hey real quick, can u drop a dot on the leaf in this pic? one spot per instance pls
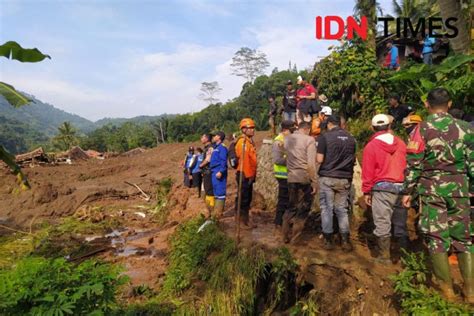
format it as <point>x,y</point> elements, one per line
<point>9,159</point>
<point>13,50</point>
<point>427,84</point>
<point>451,63</point>
<point>15,98</point>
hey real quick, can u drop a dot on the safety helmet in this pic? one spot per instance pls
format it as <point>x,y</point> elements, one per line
<point>247,123</point>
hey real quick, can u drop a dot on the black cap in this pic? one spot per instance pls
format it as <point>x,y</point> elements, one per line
<point>287,124</point>
<point>334,119</point>
<point>289,82</point>
<point>191,148</point>
<point>221,135</point>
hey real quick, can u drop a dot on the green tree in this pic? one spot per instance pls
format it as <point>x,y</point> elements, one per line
<point>249,63</point>
<point>209,90</point>
<point>66,137</point>
<point>369,9</point>
<point>454,8</point>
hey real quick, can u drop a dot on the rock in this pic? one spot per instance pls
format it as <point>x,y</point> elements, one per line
<point>266,184</point>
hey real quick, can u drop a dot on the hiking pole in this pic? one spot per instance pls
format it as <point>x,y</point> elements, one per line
<point>239,192</point>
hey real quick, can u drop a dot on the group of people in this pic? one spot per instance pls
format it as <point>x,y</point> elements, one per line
<point>427,44</point>
<point>434,172</point>
<point>208,169</point>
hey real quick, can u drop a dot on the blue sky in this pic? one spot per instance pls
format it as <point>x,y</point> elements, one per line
<point>127,58</point>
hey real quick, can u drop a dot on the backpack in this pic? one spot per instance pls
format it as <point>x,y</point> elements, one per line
<point>437,45</point>
<point>231,155</point>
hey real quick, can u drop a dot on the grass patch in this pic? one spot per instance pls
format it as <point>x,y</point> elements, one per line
<point>209,274</point>
<point>161,210</point>
<point>416,297</point>
<point>40,286</point>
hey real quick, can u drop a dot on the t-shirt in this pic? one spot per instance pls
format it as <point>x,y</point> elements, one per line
<point>338,148</point>
<point>306,91</point>
<point>289,101</point>
<point>400,112</point>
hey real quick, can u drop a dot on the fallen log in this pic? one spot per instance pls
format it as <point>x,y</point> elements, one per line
<point>146,196</point>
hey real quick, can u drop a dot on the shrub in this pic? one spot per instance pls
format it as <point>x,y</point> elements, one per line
<point>416,297</point>
<point>39,286</point>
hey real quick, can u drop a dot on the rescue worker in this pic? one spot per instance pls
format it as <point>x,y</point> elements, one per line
<point>319,123</point>
<point>440,169</point>
<point>383,165</point>
<point>218,167</point>
<point>246,154</point>
<point>206,172</point>
<point>280,171</point>
<point>196,170</point>
<point>186,165</point>
<point>410,123</point>
<point>336,154</point>
<point>300,149</point>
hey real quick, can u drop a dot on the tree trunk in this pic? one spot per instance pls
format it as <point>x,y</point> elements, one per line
<point>452,8</point>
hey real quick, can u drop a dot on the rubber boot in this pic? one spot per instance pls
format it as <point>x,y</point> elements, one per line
<point>210,204</point>
<point>285,230</point>
<point>346,242</point>
<point>466,265</point>
<point>219,208</point>
<point>384,250</point>
<point>442,273</point>
<point>403,244</point>
<point>298,226</point>
<point>328,242</point>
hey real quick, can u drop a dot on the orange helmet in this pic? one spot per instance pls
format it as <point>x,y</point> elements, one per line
<point>415,118</point>
<point>247,123</point>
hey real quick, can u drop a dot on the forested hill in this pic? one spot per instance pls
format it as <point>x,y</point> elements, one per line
<point>23,128</point>
<point>43,117</point>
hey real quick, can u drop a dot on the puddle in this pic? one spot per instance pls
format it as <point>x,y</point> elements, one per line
<point>118,241</point>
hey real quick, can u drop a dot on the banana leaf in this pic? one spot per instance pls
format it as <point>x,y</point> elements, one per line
<point>13,50</point>
<point>451,63</point>
<point>15,98</point>
<point>9,159</point>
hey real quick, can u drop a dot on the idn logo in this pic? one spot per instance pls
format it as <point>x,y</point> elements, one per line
<point>334,27</point>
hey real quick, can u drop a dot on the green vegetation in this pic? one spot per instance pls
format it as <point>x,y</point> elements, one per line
<point>161,210</point>
<point>39,286</point>
<point>416,297</point>
<point>121,138</point>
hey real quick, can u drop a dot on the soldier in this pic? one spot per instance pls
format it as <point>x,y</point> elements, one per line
<point>441,167</point>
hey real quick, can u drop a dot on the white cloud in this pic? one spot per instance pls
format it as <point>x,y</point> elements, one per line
<point>140,82</point>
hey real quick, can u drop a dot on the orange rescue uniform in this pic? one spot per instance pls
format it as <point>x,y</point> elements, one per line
<point>250,156</point>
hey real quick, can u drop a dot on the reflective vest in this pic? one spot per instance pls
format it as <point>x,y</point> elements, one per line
<point>280,172</point>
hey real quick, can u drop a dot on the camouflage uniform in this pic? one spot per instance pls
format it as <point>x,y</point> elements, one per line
<point>441,162</point>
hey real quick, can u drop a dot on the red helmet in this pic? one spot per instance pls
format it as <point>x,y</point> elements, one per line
<point>247,123</point>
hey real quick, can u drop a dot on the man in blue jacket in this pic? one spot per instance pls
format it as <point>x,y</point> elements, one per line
<point>219,172</point>
<point>427,51</point>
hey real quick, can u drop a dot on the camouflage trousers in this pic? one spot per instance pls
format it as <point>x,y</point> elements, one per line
<point>446,222</point>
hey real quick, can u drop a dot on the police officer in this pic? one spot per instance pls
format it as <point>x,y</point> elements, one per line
<point>281,171</point>
<point>218,167</point>
<point>441,167</point>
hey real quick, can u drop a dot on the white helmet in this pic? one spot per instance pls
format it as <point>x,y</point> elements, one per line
<point>326,110</point>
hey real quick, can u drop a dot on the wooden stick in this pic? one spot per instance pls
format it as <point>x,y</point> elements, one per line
<point>239,193</point>
<point>146,196</point>
<point>14,230</point>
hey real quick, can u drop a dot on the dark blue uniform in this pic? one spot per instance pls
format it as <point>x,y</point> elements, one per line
<point>219,164</point>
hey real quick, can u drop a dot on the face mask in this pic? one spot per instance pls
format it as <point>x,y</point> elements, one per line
<point>410,128</point>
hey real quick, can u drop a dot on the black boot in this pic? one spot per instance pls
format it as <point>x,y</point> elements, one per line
<point>383,244</point>
<point>403,243</point>
<point>346,242</point>
<point>328,242</point>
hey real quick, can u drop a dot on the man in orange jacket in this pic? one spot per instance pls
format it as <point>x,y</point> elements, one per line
<point>246,154</point>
